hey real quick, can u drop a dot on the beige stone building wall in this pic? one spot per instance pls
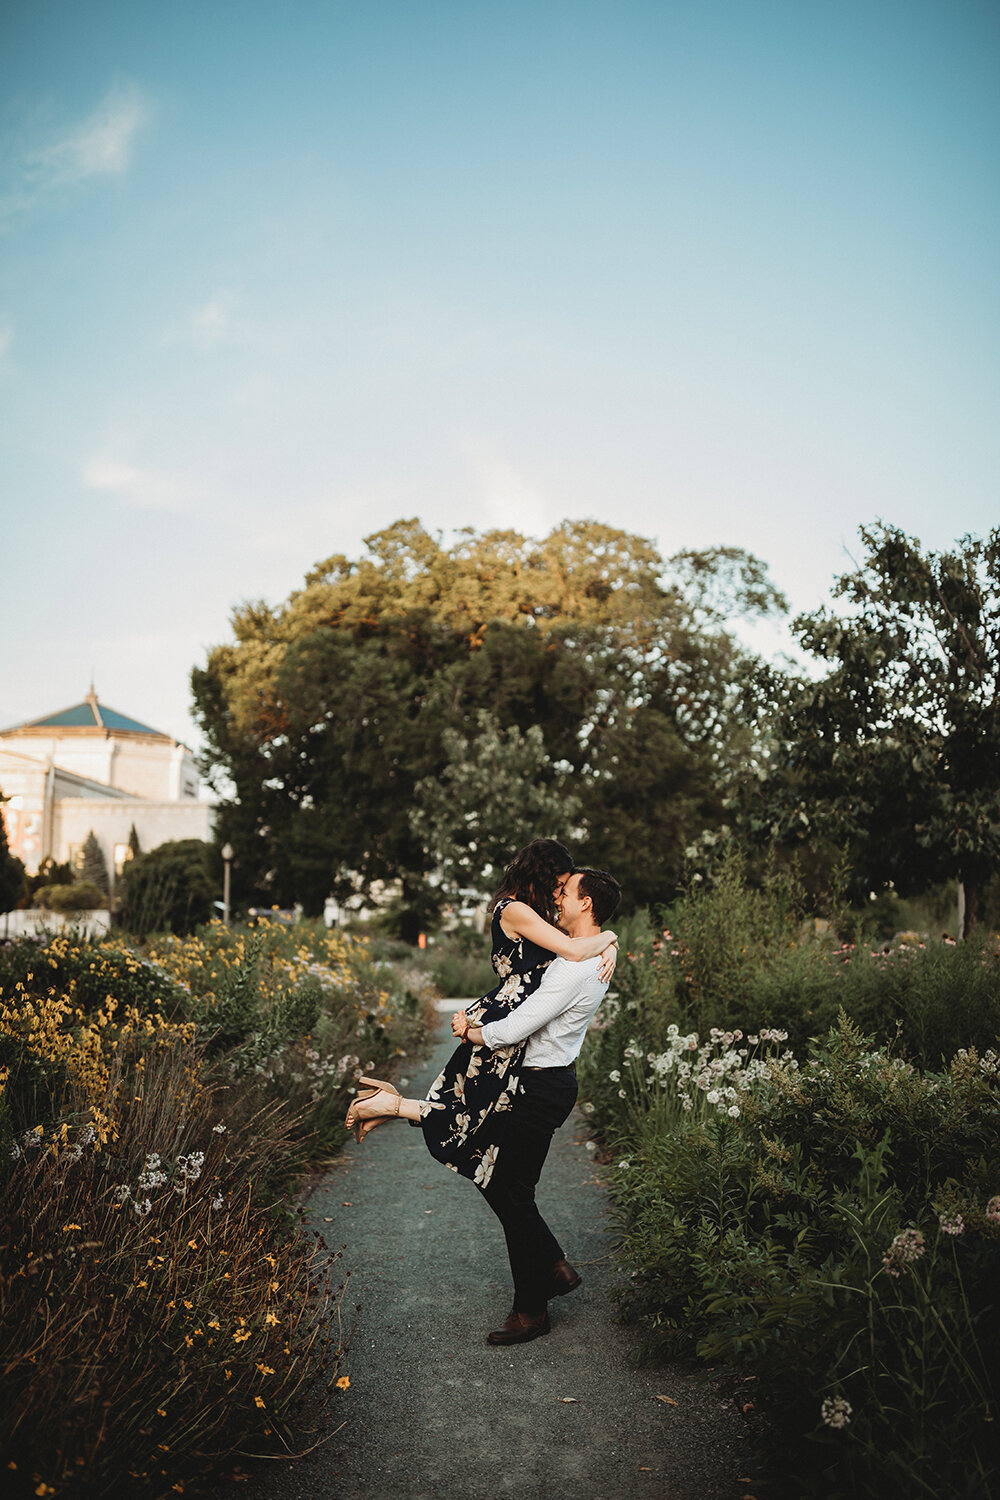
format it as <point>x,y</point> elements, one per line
<point>65,780</point>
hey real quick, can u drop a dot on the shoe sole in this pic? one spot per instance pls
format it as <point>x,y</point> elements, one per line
<point>536,1333</point>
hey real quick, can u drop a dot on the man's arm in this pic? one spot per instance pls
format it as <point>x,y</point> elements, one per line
<point>561,984</point>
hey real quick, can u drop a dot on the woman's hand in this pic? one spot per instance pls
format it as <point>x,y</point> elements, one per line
<point>459,1024</point>
<point>606,963</point>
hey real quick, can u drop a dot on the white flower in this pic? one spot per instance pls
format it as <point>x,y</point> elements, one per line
<point>624,1164</point>
<point>993,1210</point>
<point>953,1225</point>
<point>191,1165</point>
<point>712,1096</point>
<point>733,1111</point>
<point>615,1075</point>
<point>487,1162</point>
<point>836,1411</point>
<point>218,1201</point>
<point>142,1207</point>
<point>621,1093</point>
<point>906,1247</point>
<point>219,1129</point>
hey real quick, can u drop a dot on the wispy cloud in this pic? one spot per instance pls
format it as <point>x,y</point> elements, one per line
<point>99,146</point>
<point>209,325</point>
<point>141,488</point>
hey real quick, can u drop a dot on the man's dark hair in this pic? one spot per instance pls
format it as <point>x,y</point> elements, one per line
<point>604,891</point>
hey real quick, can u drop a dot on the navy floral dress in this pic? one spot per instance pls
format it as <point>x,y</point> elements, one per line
<point>465,1112</point>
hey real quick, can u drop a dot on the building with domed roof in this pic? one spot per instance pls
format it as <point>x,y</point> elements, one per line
<point>88,769</point>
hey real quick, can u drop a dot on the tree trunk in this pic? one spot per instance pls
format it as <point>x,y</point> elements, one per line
<point>969,903</point>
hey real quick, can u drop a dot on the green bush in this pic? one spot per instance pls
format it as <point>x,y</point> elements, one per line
<point>85,972</point>
<point>459,964</point>
<point>82,895</point>
<point>731,955</point>
<point>170,889</point>
<point>766,1209</point>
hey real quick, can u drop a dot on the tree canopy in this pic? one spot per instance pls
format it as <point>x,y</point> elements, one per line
<point>329,718</point>
<point>895,750</point>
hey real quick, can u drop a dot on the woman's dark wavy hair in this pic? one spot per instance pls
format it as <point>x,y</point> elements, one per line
<point>532,874</point>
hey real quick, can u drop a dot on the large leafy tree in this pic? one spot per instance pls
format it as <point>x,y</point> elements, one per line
<point>497,790</point>
<point>895,750</point>
<point>323,715</point>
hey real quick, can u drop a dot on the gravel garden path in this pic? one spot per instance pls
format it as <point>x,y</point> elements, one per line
<point>434,1411</point>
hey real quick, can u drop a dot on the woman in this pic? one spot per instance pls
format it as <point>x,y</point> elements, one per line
<point>464,1114</point>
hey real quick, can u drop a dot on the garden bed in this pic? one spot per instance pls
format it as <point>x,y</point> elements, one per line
<point>160,1307</point>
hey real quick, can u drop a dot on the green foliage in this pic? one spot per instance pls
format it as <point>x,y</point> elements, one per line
<point>589,653</point>
<point>459,964</point>
<point>732,954</point>
<point>768,1196</point>
<point>93,866</point>
<point>497,789</point>
<point>81,895</point>
<point>50,873</point>
<point>153,1292</point>
<point>763,1234</point>
<point>170,889</point>
<point>897,748</point>
<point>300,1011</point>
<point>12,876</point>
<point>160,1307</point>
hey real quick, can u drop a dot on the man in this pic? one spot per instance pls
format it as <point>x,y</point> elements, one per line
<point>553,1021</point>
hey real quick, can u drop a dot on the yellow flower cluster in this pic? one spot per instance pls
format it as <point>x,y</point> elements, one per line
<point>56,1032</point>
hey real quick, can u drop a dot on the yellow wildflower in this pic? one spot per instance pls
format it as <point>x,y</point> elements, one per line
<point>258,1401</point>
<point>343,1382</point>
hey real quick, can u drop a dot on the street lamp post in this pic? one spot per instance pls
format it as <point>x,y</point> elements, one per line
<point>227,855</point>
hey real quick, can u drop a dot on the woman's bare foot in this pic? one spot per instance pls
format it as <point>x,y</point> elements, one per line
<point>381,1106</point>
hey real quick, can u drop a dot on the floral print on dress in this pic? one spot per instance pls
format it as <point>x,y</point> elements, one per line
<point>465,1111</point>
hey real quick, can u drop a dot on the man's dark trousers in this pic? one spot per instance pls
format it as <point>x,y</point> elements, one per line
<point>544,1102</point>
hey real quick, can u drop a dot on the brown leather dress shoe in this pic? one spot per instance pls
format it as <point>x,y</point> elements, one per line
<point>564,1279</point>
<point>519,1328</point>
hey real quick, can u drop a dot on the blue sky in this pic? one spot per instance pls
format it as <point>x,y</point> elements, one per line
<point>274,274</point>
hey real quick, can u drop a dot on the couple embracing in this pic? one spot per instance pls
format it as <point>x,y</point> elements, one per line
<point>492,1111</point>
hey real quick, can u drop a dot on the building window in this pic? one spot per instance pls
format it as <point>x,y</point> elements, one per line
<point>123,853</point>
